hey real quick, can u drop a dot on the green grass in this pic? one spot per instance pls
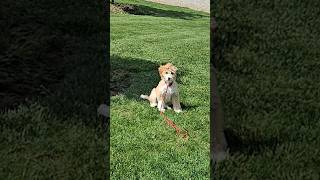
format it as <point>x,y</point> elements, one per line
<point>268,63</point>
<point>142,145</point>
<point>53,69</point>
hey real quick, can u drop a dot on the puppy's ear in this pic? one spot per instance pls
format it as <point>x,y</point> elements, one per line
<point>161,69</point>
<point>174,69</point>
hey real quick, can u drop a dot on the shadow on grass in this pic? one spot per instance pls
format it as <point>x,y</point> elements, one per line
<point>133,77</point>
<point>249,142</point>
<point>138,9</point>
<point>185,106</point>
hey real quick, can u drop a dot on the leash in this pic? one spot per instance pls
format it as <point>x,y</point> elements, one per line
<point>182,133</point>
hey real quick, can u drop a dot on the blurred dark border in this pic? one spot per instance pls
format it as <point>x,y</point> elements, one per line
<point>108,60</point>
<point>40,48</point>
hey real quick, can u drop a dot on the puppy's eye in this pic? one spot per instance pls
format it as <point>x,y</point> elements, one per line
<point>167,72</point>
<point>172,73</point>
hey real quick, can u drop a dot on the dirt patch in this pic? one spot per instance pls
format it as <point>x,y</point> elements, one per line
<point>118,8</point>
<point>114,8</point>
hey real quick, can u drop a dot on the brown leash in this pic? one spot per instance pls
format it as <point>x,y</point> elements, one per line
<point>182,133</point>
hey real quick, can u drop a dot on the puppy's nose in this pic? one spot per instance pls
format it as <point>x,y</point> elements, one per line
<point>169,78</point>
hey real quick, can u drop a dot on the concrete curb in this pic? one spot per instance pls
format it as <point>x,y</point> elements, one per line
<point>199,5</point>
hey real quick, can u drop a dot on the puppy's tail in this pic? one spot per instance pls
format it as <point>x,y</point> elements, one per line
<point>144,96</point>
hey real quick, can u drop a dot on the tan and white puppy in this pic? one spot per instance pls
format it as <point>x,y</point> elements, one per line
<point>166,92</point>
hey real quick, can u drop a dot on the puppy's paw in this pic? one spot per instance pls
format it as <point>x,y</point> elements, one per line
<point>168,107</point>
<point>153,104</point>
<point>162,110</point>
<point>178,110</point>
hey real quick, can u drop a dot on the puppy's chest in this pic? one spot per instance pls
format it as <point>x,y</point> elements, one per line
<point>168,92</point>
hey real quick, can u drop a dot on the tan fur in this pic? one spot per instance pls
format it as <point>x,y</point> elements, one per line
<point>167,90</point>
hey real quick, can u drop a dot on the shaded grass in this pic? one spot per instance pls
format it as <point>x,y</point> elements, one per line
<point>267,57</point>
<point>54,75</point>
<point>142,146</point>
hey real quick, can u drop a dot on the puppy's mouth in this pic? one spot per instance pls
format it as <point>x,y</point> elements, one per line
<point>169,82</point>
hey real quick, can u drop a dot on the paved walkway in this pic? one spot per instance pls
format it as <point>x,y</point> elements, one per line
<point>200,5</point>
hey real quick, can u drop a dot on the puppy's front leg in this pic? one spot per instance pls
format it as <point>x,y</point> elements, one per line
<point>161,103</point>
<point>176,103</point>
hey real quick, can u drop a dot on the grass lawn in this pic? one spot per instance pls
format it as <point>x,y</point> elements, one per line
<point>142,145</point>
<point>52,55</point>
<point>268,63</point>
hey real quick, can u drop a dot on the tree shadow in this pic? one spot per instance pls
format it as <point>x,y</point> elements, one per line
<point>132,76</point>
<point>138,9</point>
<point>249,142</point>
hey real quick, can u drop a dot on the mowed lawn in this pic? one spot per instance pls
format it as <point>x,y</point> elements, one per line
<point>142,145</point>
<point>269,68</point>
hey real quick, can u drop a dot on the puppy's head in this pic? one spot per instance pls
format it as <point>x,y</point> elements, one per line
<point>168,73</point>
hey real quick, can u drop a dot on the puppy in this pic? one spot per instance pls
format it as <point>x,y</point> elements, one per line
<point>166,92</point>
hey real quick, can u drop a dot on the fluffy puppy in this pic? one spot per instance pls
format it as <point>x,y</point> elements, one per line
<point>166,92</point>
